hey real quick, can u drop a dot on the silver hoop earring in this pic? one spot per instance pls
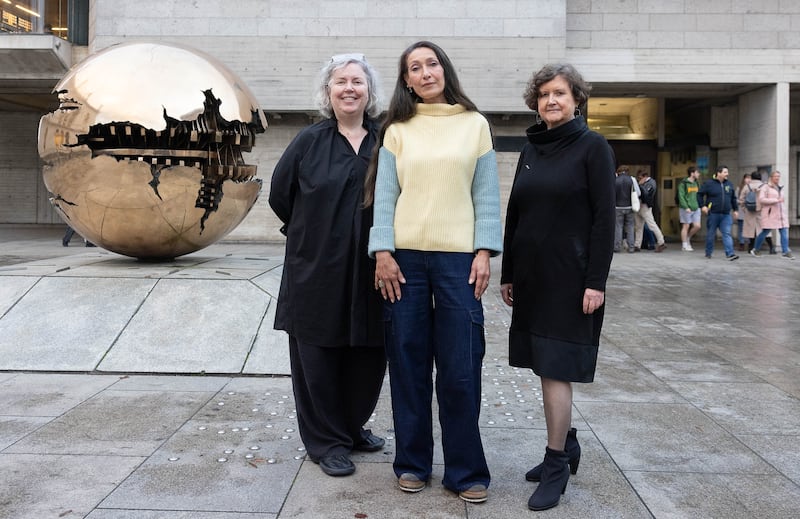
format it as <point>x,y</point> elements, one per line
<point>577,112</point>
<point>410,90</point>
<point>538,117</point>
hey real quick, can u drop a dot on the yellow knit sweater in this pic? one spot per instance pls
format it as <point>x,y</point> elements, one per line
<point>442,169</point>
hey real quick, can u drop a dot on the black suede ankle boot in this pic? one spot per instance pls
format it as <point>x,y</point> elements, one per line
<point>555,474</point>
<point>573,450</point>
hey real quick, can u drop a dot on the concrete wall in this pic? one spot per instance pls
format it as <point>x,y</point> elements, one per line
<point>23,197</point>
<point>278,45</point>
<point>643,117</point>
<point>665,41</point>
<point>757,128</point>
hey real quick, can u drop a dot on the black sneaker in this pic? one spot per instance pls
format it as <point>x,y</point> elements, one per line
<point>733,257</point>
<point>371,443</point>
<point>336,465</point>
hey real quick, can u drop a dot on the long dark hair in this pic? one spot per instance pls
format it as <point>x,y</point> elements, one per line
<point>403,105</point>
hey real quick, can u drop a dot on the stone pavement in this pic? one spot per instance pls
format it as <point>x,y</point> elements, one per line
<point>159,390</point>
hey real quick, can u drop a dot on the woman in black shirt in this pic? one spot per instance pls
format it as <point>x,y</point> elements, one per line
<point>327,303</point>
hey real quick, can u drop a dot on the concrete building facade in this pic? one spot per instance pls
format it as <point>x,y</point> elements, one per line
<point>675,82</point>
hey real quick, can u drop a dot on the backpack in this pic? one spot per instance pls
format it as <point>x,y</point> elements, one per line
<point>648,192</point>
<point>751,200</point>
<point>677,195</point>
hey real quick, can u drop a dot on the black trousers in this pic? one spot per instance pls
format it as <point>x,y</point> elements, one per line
<point>335,392</point>
<point>67,235</point>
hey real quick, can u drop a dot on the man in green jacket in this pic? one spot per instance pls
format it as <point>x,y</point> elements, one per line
<point>689,212</point>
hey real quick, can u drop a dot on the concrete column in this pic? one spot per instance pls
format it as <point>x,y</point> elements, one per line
<point>782,159</point>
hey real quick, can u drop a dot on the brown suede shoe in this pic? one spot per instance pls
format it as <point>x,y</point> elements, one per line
<point>474,494</point>
<point>410,483</point>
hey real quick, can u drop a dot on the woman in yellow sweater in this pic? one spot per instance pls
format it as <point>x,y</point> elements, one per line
<point>436,223</point>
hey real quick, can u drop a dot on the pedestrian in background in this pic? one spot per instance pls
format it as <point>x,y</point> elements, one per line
<point>774,215</point>
<point>741,193</point>
<point>645,216</point>
<point>717,200</point>
<point>69,233</point>
<point>751,217</point>
<point>689,211</point>
<point>625,189</point>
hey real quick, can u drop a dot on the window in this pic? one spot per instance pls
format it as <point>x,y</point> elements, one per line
<point>35,16</point>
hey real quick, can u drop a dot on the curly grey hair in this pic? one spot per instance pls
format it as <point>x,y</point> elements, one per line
<point>321,96</point>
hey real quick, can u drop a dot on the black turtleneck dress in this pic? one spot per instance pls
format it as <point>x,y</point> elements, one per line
<point>558,242</point>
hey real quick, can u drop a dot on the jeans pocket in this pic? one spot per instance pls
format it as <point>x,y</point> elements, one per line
<point>478,332</point>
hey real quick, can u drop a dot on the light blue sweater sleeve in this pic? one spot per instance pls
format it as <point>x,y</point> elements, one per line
<point>486,201</point>
<point>387,190</point>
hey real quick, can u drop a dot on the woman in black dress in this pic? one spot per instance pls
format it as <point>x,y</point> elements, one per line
<point>558,249</point>
<point>326,302</point>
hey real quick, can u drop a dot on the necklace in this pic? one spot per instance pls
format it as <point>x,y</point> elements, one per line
<point>350,134</point>
<point>354,136</point>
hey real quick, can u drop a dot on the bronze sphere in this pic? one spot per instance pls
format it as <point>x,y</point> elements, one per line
<point>143,156</point>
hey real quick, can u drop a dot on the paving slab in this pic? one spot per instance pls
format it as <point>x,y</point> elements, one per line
<point>190,326</point>
<point>209,466</point>
<point>510,397</point>
<point>759,359</point>
<point>108,513</point>
<point>371,492</point>
<point>129,423</point>
<point>700,370</point>
<point>671,494</point>
<point>744,408</point>
<point>270,352</point>
<point>77,321</point>
<point>668,438</point>
<point>12,289</point>
<point>781,451</point>
<point>13,428</point>
<point>55,265</point>
<point>33,486</point>
<point>270,281</point>
<point>621,378</point>
<point>106,264</point>
<point>202,383</point>
<point>48,394</point>
<point>598,490</point>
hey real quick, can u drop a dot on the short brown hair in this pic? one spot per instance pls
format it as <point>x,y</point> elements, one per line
<point>580,88</point>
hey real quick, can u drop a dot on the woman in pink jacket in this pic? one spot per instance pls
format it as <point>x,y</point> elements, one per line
<point>774,215</point>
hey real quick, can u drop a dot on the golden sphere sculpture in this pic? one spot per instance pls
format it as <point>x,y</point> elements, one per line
<point>143,156</point>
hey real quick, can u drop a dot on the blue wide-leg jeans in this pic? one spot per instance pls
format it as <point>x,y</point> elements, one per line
<point>723,222</point>
<point>437,322</point>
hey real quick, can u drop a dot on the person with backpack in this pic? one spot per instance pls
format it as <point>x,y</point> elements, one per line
<point>744,194</point>
<point>688,210</point>
<point>774,215</point>
<point>645,215</point>
<point>752,210</point>
<point>748,199</point>
<point>717,199</point>
<point>626,188</point>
